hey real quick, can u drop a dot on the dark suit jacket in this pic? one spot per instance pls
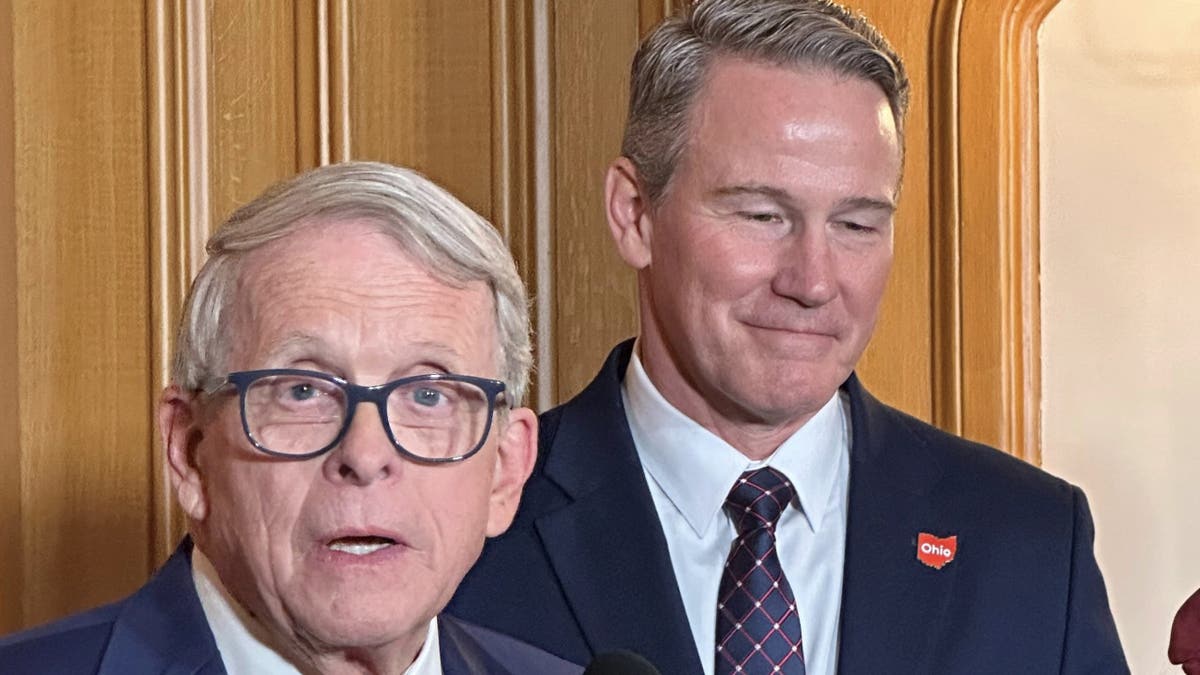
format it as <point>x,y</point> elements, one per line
<point>585,567</point>
<point>161,629</point>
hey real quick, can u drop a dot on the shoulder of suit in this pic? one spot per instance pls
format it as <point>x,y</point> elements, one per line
<point>73,644</point>
<point>983,465</point>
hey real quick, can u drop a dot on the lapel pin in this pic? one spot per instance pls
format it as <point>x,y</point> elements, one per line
<point>936,552</point>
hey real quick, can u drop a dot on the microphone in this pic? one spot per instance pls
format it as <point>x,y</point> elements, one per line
<point>620,662</point>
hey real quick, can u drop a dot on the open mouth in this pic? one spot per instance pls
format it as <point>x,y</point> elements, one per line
<point>360,545</point>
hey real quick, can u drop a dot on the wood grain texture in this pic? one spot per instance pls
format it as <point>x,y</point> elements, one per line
<point>420,91</point>
<point>12,525</point>
<point>128,129</point>
<point>594,294</point>
<point>84,366</point>
<point>251,99</point>
<point>310,47</point>
<point>999,205</point>
<point>651,12</point>
<point>171,239</point>
<point>520,111</point>
<point>945,217</point>
<point>897,366</point>
<point>336,48</point>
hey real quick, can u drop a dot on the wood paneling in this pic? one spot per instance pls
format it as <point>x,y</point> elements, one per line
<point>174,239</point>
<point>520,118</point>
<point>12,571</point>
<point>84,359</point>
<point>421,91</point>
<point>250,69</point>
<point>945,217</point>
<point>128,129</point>
<point>897,366</point>
<point>998,179</point>
<point>594,292</point>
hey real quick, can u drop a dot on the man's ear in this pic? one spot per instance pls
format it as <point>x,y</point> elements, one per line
<point>177,424</point>
<point>515,457</point>
<point>628,213</point>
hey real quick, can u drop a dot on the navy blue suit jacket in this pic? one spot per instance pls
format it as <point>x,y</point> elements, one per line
<point>585,567</point>
<point>161,629</point>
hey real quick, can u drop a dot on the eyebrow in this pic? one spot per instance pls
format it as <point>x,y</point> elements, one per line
<point>437,355</point>
<point>782,196</point>
<point>294,343</point>
<point>754,189</point>
<point>866,203</point>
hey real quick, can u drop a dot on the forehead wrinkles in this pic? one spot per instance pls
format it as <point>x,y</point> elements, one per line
<point>322,261</point>
<point>317,270</point>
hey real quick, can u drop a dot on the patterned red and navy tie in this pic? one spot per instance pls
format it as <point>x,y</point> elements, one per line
<point>758,628</point>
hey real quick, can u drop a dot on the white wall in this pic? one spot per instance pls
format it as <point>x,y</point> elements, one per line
<point>1120,149</point>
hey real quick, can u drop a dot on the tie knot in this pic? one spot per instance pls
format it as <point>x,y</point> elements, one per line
<point>758,498</point>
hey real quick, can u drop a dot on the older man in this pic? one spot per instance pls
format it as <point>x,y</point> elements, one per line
<point>726,497</point>
<point>343,430</point>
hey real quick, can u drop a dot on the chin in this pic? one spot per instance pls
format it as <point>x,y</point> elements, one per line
<point>365,630</point>
<point>795,397</point>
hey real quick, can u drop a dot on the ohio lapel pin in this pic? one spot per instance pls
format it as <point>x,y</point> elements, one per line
<point>936,552</point>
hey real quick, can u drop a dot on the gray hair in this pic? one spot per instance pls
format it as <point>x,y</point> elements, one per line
<point>452,241</point>
<point>672,63</point>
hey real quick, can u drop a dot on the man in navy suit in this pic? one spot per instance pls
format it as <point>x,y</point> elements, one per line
<point>726,496</point>
<point>343,429</point>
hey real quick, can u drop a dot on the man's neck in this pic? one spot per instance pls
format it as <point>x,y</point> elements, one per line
<point>754,437</point>
<point>252,646</point>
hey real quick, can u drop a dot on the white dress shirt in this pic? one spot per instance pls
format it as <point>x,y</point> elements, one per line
<point>690,472</point>
<point>241,638</point>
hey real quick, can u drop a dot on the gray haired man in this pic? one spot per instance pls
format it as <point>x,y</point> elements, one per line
<point>343,429</point>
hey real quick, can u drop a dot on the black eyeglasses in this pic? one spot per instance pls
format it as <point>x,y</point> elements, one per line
<point>300,414</point>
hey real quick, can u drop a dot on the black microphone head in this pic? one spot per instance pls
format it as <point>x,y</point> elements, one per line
<point>620,662</point>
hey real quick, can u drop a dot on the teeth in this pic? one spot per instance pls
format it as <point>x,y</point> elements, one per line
<point>358,549</point>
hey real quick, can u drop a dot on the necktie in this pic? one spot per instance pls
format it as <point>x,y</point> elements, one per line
<point>758,629</point>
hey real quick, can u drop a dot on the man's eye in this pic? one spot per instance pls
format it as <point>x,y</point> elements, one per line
<point>427,397</point>
<point>761,216</point>
<point>302,392</point>
<point>856,227</point>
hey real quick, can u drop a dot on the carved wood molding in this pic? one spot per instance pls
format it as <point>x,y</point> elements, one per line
<point>946,317</point>
<point>521,160</point>
<point>177,107</point>
<point>322,58</point>
<point>985,201</point>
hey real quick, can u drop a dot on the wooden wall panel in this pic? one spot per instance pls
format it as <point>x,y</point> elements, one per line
<point>83,365</point>
<point>128,129</point>
<point>224,91</point>
<point>420,91</point>
<point>595,301</point>
<point>172,232</point>
<point>11,524</point>
<point>997,109</point>
<point>251,98</point>
<point>898,364</point>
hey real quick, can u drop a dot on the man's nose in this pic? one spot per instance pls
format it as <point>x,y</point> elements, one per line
<point>365,454</point>
<point>805,270</point>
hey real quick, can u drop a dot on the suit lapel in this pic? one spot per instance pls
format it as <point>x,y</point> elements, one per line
<point>607,547</point>
<point>162,629</point>
<point>892,604</point>
<point>460,654</point>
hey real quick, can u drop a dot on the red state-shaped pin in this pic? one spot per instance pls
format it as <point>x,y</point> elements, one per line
<point>936,551</point>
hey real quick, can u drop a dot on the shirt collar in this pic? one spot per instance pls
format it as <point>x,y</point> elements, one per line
<point>243,643</point>
<point>696,469</point>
